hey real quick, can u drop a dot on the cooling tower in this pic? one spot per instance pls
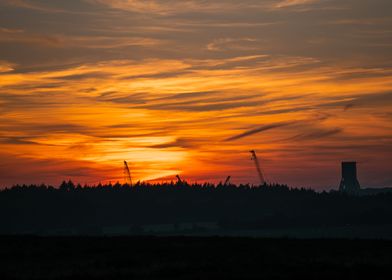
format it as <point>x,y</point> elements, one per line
<point>349,182</point>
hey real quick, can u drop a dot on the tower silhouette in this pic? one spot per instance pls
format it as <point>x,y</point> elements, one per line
<point>349,182</point>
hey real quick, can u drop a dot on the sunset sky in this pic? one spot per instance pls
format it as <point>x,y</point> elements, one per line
<point>189,87</point>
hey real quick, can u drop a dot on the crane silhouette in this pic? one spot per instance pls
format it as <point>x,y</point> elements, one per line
<point>127,174</point>
<point>227,182</point>
<point>258,168</point>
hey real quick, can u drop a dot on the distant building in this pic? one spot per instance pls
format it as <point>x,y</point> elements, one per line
<point>349,182</point>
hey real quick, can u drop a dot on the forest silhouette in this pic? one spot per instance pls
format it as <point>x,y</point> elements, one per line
<point>182,208</point>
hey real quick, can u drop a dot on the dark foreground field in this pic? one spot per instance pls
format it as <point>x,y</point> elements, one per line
<point>192,258</point>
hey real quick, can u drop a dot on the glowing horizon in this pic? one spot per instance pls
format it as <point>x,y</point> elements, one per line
<point>189,87</point>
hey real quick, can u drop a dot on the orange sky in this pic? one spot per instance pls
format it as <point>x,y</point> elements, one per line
<point>189,87</point>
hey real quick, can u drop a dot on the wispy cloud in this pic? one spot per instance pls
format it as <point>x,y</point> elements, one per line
<point>163,7</point>
<point>162,83</point>
<point>169,7</point>
<point>290,3</point>
<point>316,134</point>
<point>6,66</point>
<point>68,41</point>
<point>32,5</point>
<point>258,130</point>
<point>244,44</point>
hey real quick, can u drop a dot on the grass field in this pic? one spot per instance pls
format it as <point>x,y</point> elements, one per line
<point>192,258</point>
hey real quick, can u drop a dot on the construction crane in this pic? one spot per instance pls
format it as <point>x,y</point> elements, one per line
<point>258,169</point>
<point>227,182</point>
<point>127,174</point>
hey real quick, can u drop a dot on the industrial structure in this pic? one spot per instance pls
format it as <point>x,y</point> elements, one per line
<point>227,182</point>
<point>127,174</point>
<point>179,180</point>
<point>258,168</point>
<point>349,182</point>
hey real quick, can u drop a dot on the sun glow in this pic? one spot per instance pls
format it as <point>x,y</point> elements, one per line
<point>189,88</point>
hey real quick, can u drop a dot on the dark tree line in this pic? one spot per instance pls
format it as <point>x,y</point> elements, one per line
<point>42,208</point>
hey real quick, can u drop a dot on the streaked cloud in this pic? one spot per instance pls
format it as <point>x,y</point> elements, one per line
<point>258,130</point>
<point>32,5</point>
<point>289,3</point>
<point>165,7</point>
<point>6,67</point>
<point>191,86</point>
